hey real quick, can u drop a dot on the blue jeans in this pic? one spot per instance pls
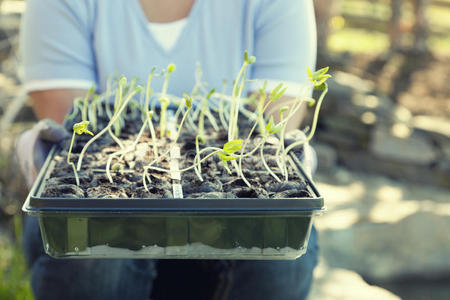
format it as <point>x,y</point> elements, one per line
<point>141,279</point>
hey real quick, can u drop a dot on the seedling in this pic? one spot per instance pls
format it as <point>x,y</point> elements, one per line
<point>164,100</point>
<point>233,151</point>
<point>199,139</point>
<point>204,110</point>
<point>145,177</point>
<point>226,155</point>
<point>222,116</point>
<point>281,159</point>
<point>117,105</point>
<point>84,112</point>
<point>115,117</point>
<point>236,95</point>
<point>318,79</point>
<point>93,108</point>
<point>78,128</point>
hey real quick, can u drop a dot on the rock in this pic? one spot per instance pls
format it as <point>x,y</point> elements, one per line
<point>416,149</point>
<point>354,82</point>
<point>416,246</point>
<point>434,125</point>
<point>340,284</point>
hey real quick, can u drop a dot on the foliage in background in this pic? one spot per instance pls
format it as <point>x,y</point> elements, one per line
<point>14,276</point>
<point>362,26</point>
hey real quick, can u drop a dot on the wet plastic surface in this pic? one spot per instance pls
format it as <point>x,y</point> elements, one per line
<point>174,228</point>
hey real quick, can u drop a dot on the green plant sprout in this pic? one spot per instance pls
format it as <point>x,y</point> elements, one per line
<point>199,139</point>
<point>222,116</point>
<point>236,95</point>
<point>198,92</point>
<point>281,159</point>
<point>77,105</point>
<point>118,104</point>
<point>271,128</point>
<point>118,165</point>
<point>82,104</point>
<point>78,128</point>
<point>318,79</point>
<point>138,89</point>
<point>229,109</point>
<point>181,110</point>
<point>203,111</point>
<point>164,100</point>
<point>84,112</point>
<point>107,95</point>
<point>225,154</point>
<point>260,107</point>
<point>94,109</point>
<point>152,133</point>
<point>268,129</point>
<point>145,177</point>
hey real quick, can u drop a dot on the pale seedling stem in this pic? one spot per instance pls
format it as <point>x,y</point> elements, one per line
<point>78,128</point>
<point>314,123</point>
<point>71,163</point>
<point>164,100</point>
<point>111,122</point>
<point>84,112</point>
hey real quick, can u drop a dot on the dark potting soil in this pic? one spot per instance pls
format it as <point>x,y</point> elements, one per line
<point>128,179</point>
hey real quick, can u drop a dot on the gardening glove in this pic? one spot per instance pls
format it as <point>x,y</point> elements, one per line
<point>34,144</point>
<point>309,156</point>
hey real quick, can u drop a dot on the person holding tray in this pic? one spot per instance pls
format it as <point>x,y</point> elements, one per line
<point>69,45</point>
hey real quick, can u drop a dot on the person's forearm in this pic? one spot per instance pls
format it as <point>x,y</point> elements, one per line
<point>54,104</point>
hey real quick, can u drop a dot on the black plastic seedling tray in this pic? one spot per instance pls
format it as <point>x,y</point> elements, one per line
<point>245,228</point>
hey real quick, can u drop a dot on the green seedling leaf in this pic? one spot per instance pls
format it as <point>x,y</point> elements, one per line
<point>164,102</point>
<point>277,92</point>
<point>283,109</point>
<point>139,89</point>
<point>133,83</point>
<point>80,128</point>
<point>271,128</point>
<point>249,59</point>
<point>76,103</point>
<point>319,77</point>
<point>117,166</point>
<point>123,81</point>
<point>262,90</point>
<point>311,101</point>
<point>225,157</point>
<point>171,68</point>
<point>187,100</point>
<point>201,139</point>
<point>232,146</point>
<point>92,89</point>
<point>211,92</point>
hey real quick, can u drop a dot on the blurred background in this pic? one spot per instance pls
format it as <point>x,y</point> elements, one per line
<point>383,145</point>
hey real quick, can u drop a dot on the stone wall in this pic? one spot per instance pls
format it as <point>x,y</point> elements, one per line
<point>368,132</point>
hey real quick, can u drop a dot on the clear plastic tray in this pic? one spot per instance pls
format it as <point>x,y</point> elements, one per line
<point>245,228</point>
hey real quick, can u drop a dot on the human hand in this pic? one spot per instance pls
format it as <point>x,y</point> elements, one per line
<point>34,144</point>
<point>309,157</point>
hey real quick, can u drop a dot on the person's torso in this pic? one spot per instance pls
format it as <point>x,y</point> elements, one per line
<point>215,35</point>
